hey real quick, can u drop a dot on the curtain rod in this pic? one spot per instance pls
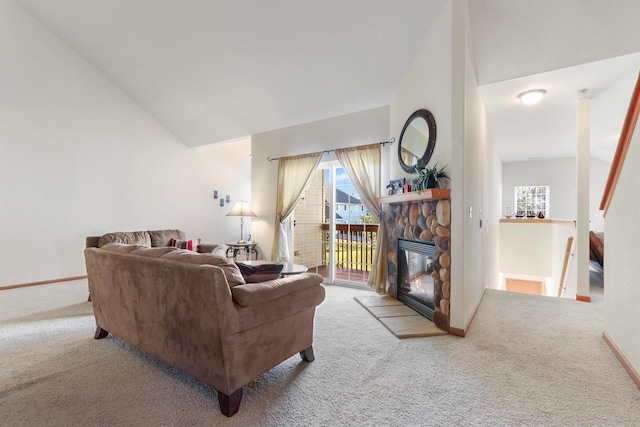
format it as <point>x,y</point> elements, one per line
<point>383,143</point>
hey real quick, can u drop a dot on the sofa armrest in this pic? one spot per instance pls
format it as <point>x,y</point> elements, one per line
<point>92,241</point>
<point>257,293</point>
<point>211,248</point>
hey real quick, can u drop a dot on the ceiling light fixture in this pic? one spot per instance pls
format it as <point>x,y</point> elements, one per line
<point>531,97</point>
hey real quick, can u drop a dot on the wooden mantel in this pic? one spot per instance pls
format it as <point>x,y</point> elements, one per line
<point>417,196</point>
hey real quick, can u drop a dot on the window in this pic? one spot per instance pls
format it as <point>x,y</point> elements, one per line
<point>532,199</point>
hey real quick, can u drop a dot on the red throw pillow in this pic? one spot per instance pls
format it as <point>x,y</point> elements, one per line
<point>191,245</point>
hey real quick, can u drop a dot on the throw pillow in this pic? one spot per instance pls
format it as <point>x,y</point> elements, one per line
<point>259,273</point>
<point>191,245</point>
<point>121,248</point>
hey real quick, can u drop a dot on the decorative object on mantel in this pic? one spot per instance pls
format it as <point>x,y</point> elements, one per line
<point>541,215</point>
<point>531,214</point>
<point>396,186</point>
<point>430,177</point>
<point>417,140</point>
<point>508,212</point>
<point>520,214</point>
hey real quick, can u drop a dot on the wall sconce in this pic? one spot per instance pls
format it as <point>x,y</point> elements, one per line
<point>223,200</point>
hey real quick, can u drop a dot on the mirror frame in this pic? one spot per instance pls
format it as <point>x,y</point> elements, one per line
<point>431,143</point>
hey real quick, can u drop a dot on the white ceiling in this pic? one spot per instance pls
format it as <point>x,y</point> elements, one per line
<point>222,69</point>
<point>211,71</point>
<point>548,129</point>
<point>561,46</point>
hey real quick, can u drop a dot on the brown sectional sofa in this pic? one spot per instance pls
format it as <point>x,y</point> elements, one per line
<point>153,238</point>
<point>194,312</point>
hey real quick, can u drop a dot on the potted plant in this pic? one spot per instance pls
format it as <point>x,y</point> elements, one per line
<point>430,177</point>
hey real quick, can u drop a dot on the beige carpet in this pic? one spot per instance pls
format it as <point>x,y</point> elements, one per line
<point>527,360</point>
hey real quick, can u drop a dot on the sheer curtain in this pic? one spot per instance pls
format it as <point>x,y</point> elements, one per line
<point>294,174</point>
<point>362,164</point>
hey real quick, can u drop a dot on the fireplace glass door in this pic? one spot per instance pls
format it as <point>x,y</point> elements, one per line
<point>416,284</point>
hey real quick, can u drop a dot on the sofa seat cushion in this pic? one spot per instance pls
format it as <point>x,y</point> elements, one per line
<point>126,237</point>
<point>258,293</point>
<point>122,248</point>
<point>161,238</point>
<point>230,269</point>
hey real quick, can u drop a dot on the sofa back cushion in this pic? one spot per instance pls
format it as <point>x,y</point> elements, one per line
<point>126,237</point>
<point>230,269</point>
<point>161,238</point>
<point>152,252</point>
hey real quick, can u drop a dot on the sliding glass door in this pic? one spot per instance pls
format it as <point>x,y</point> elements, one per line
<point>334,234</point>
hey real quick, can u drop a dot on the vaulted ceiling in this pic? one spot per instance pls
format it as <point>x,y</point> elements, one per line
<point>222,69</point>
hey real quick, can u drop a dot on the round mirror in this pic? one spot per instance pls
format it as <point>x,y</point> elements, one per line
<point>417,140</point>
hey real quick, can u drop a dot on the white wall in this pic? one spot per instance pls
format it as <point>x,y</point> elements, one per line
<point>442,80</point>
<point>427,85</point>
<point>560,175</point>
<point>622,270</point>
<point>78,157</point>
<point>350,130</point>
<point>482,195</point>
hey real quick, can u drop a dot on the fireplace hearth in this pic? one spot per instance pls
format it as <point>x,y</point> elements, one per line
<point>416,284</point>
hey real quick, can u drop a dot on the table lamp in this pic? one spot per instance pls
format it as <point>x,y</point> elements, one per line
<point>242,209</point>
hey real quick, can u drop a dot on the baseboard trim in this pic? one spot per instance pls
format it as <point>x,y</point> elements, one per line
<point>457,332</point>
<point>583,298</point>
<point>43,282</point>
<point>463,332</point>
<point>622,359</point>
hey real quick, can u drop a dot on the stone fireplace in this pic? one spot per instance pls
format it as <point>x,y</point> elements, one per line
<point>420,221</point>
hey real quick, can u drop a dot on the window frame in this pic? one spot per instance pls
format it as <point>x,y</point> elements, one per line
<point>547,199</point>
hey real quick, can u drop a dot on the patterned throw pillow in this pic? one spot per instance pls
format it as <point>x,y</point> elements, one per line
<point>191,245</point>
<point>259,273</point>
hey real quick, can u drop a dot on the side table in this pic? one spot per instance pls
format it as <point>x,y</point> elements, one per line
<point>248,248</point>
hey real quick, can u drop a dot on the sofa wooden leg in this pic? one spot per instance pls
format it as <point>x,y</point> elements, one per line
<point>100,333</point>
<point>307,354</point>
<point>89,299</point>
<point>230,404</point>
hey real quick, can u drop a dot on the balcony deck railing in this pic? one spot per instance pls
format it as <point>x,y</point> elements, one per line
<point>355,245</point>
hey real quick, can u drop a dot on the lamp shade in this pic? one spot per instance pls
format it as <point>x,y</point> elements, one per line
<point>241,208</point>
